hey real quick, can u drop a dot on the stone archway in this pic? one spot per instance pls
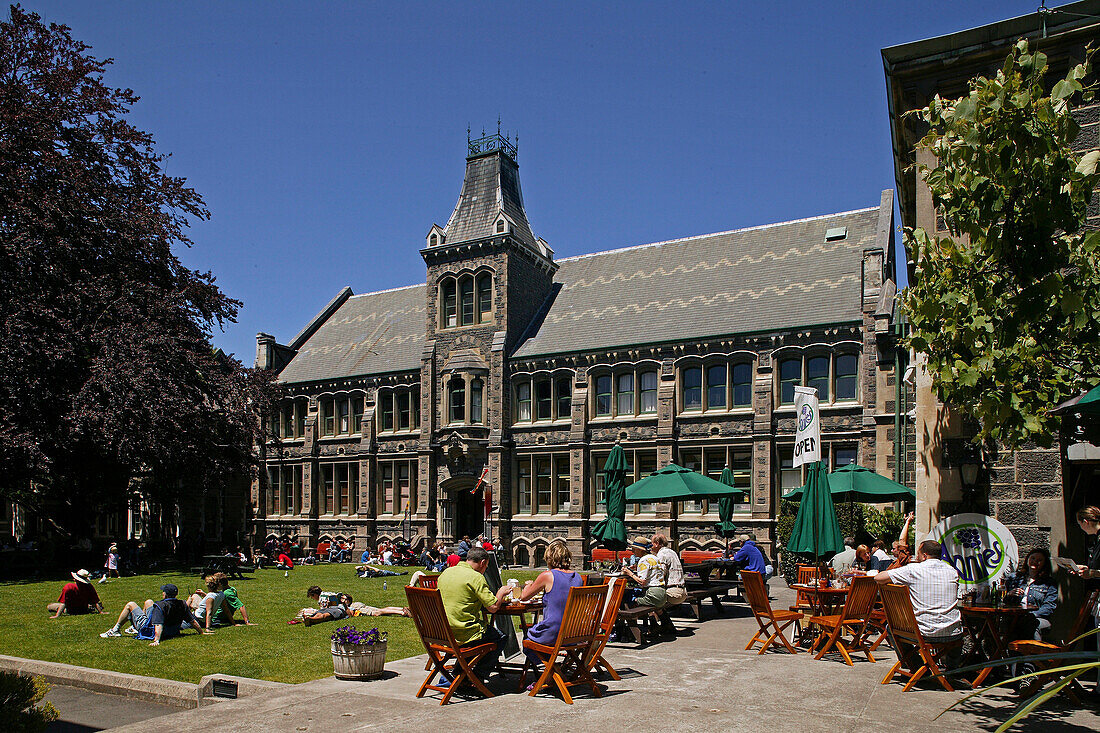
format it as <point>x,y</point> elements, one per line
<point>461,509</point>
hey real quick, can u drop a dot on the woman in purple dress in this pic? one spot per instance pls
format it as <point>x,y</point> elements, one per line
<point>554,585</point>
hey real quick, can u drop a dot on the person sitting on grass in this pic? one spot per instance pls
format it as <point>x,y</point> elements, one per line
<point>232,602</point>
<point>158,621</point>
<point>207,606</point>
<point>77,598</point>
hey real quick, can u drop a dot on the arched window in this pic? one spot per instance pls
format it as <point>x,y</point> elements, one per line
<point>477,389</point>
<point>846,365</point>
<point>457,400</point>
<point>790,376</point>
<point>500,226</point>
<point>449,297</point>
<point>742,385</point>
<point>466,300</point>
<point>484,297</point>
<point>693,388</point>
<point>523,558</point>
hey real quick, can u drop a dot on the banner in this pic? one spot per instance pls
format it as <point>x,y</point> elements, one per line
<point>980,548</point>
<point>807,437</point>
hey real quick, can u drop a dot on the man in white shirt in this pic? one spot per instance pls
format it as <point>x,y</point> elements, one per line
<point>675,588</point>
<point>934,590</point>
<point>844,559</point>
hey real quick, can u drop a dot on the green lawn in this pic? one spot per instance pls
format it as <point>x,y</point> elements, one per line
<point>272,650</point>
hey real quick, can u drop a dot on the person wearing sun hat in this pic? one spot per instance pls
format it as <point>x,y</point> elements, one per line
<point>78,597</point>
<point>649,574</point>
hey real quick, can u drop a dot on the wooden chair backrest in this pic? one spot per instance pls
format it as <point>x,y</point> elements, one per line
<point>755,592</point>
<point>1084,618</point>
<point>426,607</point>
<point>899,612</point>
<point>580,622</point>
<point>611,608</point>
<point>861,599</point>
<point>808,573</point>
<point>427,581</point>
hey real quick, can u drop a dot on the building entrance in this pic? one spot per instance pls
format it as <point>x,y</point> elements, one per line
<point>469,513</point>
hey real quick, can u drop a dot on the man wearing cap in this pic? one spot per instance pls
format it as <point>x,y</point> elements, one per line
<point>77,598</point>
<point>750,557</point>
<point>165,617</point>
<point>649,574</point>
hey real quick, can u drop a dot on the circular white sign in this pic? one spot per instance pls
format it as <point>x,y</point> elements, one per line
<point>980,548</point>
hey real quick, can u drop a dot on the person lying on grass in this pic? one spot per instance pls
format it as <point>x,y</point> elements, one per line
<point>158,620</point>
<point>345,607</point>
<point>372,571</point>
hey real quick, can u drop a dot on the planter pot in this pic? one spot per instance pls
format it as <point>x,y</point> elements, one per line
<point>358,661</point>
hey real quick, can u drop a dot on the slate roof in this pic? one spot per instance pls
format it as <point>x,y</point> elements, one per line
<point>765,278</point>
<point>491,184</point>
<point>373,333</point>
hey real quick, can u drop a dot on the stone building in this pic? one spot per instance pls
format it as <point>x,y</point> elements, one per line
<point>524,369</point>
<point>1033,491</point>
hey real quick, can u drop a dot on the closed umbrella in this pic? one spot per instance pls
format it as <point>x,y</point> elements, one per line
<point>816,530</point>
<point>725,527</point>
<point>611,532</point>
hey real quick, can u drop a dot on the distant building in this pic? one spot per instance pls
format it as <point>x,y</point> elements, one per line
<point>1032,491</point>
<point>532,368</point>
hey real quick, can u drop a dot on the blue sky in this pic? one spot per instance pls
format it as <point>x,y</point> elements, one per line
<point>327,137</point>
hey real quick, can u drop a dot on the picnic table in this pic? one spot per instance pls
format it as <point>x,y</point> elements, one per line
<point>230,565</point>
<point>701,582</point>
<point>989,625</point>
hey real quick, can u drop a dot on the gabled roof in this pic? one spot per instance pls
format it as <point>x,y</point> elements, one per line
<point>766,278</point>
<point>375,333</point>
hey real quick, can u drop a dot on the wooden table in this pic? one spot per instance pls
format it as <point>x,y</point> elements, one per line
<point>987,623</point>
<point>824,600</point>
<point>519,610</point>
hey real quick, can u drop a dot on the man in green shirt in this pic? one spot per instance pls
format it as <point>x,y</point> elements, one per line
<point>465,594</point>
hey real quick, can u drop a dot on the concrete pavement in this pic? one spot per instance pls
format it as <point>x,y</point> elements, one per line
<point>84,710</point>
<point>702,681</point>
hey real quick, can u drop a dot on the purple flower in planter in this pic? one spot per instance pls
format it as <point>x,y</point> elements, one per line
<point>351,636</point>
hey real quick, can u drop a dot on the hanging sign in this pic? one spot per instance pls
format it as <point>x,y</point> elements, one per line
<point>807,437</point>
<point>980,548</point>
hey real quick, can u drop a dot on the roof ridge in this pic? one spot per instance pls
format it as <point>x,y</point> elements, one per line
<point>718,234</point>
<point>389,290</point>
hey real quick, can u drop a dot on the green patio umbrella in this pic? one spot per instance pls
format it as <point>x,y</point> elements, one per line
<point>611,532</point>
<point>1087,403</point>
<point>725,527</point>
<point>816,530</point>
<point>858,483</point>
<point>675,483</point>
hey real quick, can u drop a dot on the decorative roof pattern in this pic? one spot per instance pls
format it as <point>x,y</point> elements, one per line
<point>373,333</point>
<point>765,278</point>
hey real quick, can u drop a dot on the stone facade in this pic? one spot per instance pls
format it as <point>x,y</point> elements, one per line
<point>536,420</point>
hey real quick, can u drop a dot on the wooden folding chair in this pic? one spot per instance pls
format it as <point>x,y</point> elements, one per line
<point>565,660</point>
<point>594,659</point>
<point>915,653</point>
<point>426,607</point>
<point>757,596</point>
<point>428,581</point>
<point>1080,625</point>
<point>807,575</point>
<point>852,619</point>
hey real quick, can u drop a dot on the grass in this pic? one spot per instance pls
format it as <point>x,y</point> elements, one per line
<point>272,650</point>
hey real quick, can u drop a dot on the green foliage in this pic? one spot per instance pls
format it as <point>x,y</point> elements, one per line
<point>1007,309</point>
<point>862,521</point>
<point>21,706</point>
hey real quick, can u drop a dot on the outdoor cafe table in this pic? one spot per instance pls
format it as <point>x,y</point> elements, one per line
<point>519,610</point>
<point>824,601</point>
<point>989,625</point>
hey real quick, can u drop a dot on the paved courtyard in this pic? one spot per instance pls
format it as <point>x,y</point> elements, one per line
<point>702,681</point>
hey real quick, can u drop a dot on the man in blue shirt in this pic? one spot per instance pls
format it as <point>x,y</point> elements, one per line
<point>751,558</point>
<point>168,615</point>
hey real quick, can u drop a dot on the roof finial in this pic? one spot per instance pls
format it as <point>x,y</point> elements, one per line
<point>498,124</point>
<point>467,134</point>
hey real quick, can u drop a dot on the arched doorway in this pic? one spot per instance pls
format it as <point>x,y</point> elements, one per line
<point>469,513</point>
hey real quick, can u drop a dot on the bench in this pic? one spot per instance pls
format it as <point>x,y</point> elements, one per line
<point>696,557</point>
<point>602,555</point>
<point>628,622</point>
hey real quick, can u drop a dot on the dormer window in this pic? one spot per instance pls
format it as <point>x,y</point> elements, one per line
<point>501,226</point>
<point>433,240</point>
